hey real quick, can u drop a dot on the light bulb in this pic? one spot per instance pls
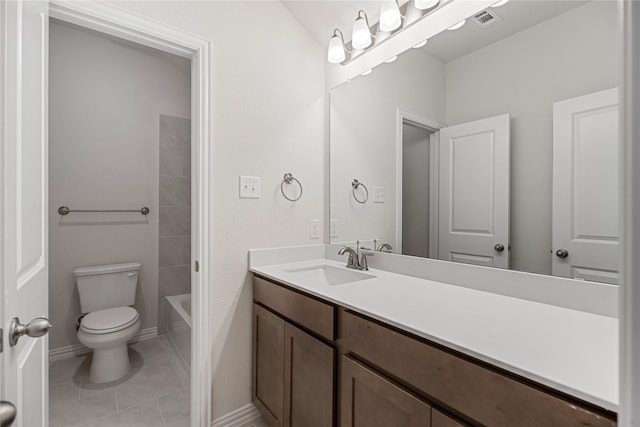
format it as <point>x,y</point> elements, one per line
<point>419,45</point>
<point>361,36</point>
<point>336,53</point>
<point>427,4</point>
<point>390,18</point>
<point>390,60</point>
<point>366,73</point>
<point>500,3</point>
<point>456,26</point>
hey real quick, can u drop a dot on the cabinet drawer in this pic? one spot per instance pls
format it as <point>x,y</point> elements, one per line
<point>481,394</point>
<point>310,313</point>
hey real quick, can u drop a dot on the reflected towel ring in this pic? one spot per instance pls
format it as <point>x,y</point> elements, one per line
<point>354,185</point>
<point>288,179</point>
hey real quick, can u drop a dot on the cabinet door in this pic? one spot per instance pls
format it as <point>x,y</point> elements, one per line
<point>268,365</point>
<point>370,400</point>
<point>308,380</point>
<point>440,419</point>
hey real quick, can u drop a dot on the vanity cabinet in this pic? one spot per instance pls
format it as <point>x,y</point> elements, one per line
<point>293,369</point>
<point>319,364</point>
<point>475,391</point>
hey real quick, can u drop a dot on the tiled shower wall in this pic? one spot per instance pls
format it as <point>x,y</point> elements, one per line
<point>174,276</point>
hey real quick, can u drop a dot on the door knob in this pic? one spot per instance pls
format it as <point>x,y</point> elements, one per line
<point>7,413</point>
<point>499,247</point>
<point>562,253</point>
<point>36,328</point>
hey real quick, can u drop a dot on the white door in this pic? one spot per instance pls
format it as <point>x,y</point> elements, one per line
<point>474,192</point>
<point>585,187</point>
<point>23,210</point>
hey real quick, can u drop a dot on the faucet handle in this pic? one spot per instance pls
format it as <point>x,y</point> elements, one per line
<point>364,265</point>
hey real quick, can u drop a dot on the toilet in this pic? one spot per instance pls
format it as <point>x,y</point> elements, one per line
<point>107,293</point>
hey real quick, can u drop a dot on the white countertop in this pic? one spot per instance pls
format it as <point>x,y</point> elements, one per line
<point>572,351</point>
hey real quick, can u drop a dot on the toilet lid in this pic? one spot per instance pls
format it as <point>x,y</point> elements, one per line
<point>109,320</point>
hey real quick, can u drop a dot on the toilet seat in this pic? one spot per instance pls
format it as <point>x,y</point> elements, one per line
<point>109,320</point>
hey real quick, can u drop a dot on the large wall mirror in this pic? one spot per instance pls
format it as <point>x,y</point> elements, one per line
<point>495,144</point>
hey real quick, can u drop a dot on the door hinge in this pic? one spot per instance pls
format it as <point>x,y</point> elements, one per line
<point>197,266</point>
<point>1,339</point>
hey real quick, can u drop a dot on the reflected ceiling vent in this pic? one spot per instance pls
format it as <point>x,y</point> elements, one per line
<point>486,18</point>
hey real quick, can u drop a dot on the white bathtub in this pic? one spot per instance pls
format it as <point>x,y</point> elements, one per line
<point>178,318</point>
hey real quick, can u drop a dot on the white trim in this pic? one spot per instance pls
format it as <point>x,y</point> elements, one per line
<point>428,124</point>
<point>238,417</point>
<point>118,22</point>
<point>629,409</point>
<point>79,349</point>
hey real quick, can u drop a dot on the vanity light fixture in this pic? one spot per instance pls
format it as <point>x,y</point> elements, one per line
<point>366,73</point>
<point>337,52</point>
<point>390,60</point>
<point>428,4</point>
<point>456,26</point>
<point>421,44</point>
<point>361,35</point>
<point>500,3</point>
<point>390,17</point>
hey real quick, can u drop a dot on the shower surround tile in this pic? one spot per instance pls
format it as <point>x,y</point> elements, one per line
<point>175,221</point>
<point>171,249</point>
<point>175,191</point>
<point>174,179</point>
<point>175,131</point>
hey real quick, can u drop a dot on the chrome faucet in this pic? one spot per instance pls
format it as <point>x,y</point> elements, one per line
<point>352,261</point>
<point>356,261</point>
<point>384,247</point>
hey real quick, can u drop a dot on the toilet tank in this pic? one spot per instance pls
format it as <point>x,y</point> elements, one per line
<point>107,286</point>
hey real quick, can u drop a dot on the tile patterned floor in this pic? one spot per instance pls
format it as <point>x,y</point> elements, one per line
<point>154,393</point>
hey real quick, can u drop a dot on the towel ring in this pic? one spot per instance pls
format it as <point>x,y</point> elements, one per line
<point>354,186</point>
<point>288,179</point>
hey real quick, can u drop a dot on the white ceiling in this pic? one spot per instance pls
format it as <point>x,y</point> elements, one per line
<point>321,17</point>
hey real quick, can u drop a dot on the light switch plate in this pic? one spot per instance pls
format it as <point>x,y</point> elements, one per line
<point>333,228</point>
<point>249,187</point>
<point>314,229</point>
<point>378,194</point>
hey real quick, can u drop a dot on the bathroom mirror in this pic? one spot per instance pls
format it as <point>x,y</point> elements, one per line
<point>494,144</point>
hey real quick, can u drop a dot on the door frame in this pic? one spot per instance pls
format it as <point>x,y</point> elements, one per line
<point>434,127</point>
<point>127,25</point>
<point>629,295</point>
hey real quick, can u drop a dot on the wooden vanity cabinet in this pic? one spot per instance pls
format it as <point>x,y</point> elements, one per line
<point>387,377</point>
<point>293,369</point>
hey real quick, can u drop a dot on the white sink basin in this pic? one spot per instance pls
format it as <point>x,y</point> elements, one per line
<point>329,275</point>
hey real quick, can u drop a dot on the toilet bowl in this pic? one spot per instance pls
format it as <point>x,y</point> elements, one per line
<point>107,293</point>
<point>106,332</point>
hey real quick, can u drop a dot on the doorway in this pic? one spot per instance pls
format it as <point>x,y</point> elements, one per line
<point>119,145</point>
<point>416,191</point>
<point>24,366</point>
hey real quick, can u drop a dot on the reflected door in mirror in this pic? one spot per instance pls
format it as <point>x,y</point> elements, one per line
<point>585,187</point>
<point>474,192</point>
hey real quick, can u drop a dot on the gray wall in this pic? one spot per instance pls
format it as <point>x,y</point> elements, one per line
<point>105,100</point>
<point>174,276</point>
<point>536,67</point>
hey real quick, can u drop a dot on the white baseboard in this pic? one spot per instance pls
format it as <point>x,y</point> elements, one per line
<point>79,349</point>
<point>238,417</point>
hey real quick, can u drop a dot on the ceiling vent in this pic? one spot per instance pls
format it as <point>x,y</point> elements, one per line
<point>486,18</point>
